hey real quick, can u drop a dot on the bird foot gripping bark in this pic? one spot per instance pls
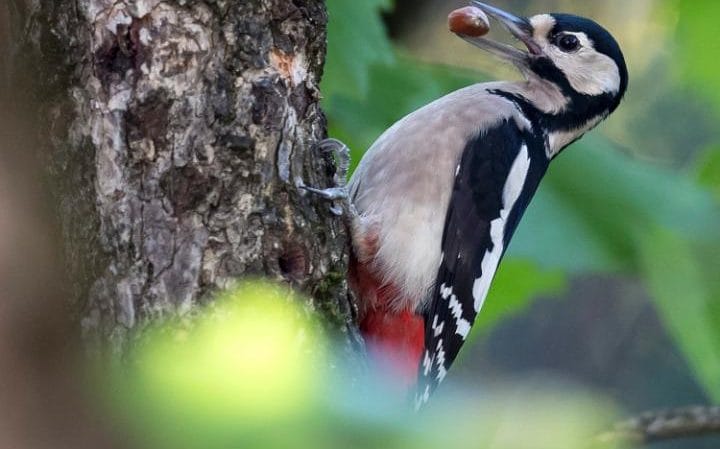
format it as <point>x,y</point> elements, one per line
<point>338,195</point>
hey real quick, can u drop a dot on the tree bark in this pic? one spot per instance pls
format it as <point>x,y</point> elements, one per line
<point>176,133</point>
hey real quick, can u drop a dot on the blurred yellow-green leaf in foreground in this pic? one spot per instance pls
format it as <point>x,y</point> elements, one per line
<point>253,358</point>
<point>254,370</point>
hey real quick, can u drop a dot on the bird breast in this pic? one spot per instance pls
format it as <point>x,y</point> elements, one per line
<point>402,187</point>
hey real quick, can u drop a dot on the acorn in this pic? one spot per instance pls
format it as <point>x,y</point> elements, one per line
<point>469,21</point>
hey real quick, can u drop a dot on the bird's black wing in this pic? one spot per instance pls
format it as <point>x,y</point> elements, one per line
<point>493,185</point>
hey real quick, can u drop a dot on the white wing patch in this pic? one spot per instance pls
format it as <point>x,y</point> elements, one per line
<point>511,192</point>
<point>462,326</point>
<point>449,322</point>
<point>440,361</point>
<point>445,292</point>
<point>427,363</point>
<point>437,327</point>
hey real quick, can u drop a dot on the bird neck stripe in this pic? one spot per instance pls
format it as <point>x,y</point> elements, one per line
<point>582,112</point>
<point>546,70</point>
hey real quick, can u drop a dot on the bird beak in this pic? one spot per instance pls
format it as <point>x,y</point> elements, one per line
<point>519,27</point>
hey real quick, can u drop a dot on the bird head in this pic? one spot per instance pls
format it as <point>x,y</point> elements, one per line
<point>576,54</point>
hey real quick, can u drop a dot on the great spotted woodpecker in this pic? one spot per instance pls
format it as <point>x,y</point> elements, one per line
<point>439,195</point>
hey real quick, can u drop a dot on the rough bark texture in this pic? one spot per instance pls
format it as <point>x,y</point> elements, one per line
<point>177,133</point>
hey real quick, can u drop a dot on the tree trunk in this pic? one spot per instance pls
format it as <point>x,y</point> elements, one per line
<point>176,134</point>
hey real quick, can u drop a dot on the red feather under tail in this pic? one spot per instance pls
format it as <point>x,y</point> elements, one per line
<point>396,343</point>
<point>395,339</point>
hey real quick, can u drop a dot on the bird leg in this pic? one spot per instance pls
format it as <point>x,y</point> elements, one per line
<point>338,194</point>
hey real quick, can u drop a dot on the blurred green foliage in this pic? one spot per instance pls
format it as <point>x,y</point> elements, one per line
<point>699,46</point>
<point>255,344</point>
<point>359,36</point>
<point>599,210</point>
<point>684,292</point>
<point>252,371</point>
<point>709,171</point>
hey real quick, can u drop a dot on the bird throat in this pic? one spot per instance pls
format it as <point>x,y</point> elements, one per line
<point>560,126</point>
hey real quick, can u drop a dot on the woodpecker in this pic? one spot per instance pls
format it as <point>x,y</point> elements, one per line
<point>437,198</point>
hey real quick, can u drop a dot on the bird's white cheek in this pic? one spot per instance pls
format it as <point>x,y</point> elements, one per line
<point>589,72</point>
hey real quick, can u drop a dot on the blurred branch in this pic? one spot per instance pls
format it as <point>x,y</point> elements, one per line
<point>650,427</point>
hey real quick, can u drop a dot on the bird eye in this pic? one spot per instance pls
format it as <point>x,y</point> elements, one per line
<point>567,42</point>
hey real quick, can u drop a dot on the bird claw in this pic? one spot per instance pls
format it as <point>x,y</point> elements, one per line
<point>339,194</point>
<point>331,194</point>
<point>341,154</point>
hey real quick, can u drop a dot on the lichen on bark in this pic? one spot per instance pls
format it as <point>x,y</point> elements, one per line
<point>177,135</point>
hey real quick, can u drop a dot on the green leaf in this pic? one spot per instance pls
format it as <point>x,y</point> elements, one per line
<point>594,196</point>
<point>709,171</point>
<point>555,234</point>
<point>356,40</point>
<point>699,44</point>
<point>685,301</point>
<point>516,283</point>
<point>255,344</point>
